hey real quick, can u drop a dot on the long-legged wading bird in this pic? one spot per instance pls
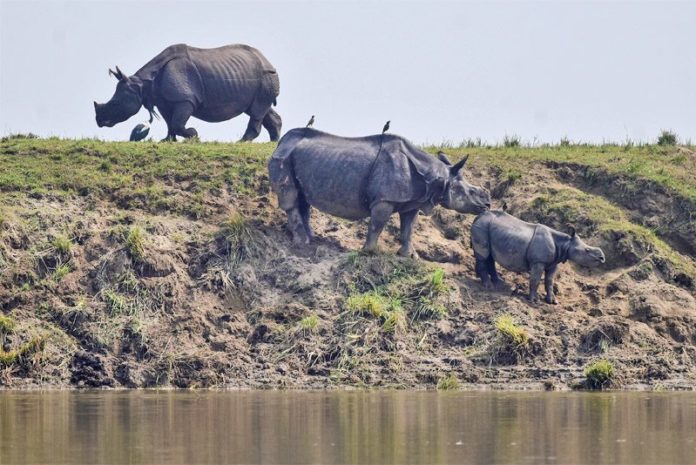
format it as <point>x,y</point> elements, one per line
<point>140,132</point>
<point>386,127</point>
<point>310,123</point>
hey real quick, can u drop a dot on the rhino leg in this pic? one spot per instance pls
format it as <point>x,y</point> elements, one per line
<point>296,226</point>
<point>253,129</point>
<point>305,212</point>
<point>535,273</point>
<point>273,123</point>
<point>548,284</point>
<point>492,272</point>
<point>482,268</point>
<point>408,220</point>
<point>176,122</point>
<point>379,215</point>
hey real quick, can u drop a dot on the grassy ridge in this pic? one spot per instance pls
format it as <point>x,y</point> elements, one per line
<point>90,165</point>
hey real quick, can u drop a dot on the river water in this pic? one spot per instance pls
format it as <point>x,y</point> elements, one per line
<point>278,427</point>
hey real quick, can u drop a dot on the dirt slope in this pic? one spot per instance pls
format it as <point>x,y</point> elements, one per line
<point>184,275</point>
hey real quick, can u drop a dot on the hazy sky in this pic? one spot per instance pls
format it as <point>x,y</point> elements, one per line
<point>446,71</point>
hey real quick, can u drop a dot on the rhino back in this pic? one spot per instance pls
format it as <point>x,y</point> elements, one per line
<point>510,238</point>
<point>231,76</point>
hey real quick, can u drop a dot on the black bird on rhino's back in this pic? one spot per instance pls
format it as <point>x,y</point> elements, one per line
<point>310,123</point>
<point>386,127</point>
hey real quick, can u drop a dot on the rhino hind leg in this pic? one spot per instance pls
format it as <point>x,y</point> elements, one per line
<point>482,270</point>
<point>492,272</point>
<point>379,215</point>
<point>273,123</point>
<point>305,212</point>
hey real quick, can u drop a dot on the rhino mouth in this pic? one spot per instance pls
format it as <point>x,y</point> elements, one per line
<point>107,123</point>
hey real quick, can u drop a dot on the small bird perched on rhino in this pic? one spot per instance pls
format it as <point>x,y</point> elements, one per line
<point>345,177</point>
<point>519,246</point>
<point>386,127</point>
<point>214,84</point>
<point>310,123</point>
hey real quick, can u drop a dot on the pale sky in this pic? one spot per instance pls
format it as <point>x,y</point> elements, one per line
<point>440,71</point>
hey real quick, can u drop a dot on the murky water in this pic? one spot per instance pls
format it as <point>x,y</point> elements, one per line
<point>346,427</point>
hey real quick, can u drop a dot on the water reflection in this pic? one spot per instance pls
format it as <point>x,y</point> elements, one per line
<point>346,427</point>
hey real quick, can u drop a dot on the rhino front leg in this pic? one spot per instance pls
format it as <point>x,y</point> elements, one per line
<point>379,215</point>
<point>536,271</point>
<point>548,284</point>
<point>176,125</point>
<point>273,123</point>
<point>408,220</point>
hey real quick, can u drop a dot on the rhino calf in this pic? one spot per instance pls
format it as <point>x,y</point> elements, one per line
<point>520,246</point>
<point>374,176</point>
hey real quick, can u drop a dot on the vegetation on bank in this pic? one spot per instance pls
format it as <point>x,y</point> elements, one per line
<point>382,303</point>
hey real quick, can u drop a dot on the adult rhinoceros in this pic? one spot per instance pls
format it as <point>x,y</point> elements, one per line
<point>211,84</point>
<point>373,176</point>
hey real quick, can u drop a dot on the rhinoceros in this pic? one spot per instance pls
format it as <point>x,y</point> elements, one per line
<point>213,85</point>
<point>373,176</point>
<point>497,236</point>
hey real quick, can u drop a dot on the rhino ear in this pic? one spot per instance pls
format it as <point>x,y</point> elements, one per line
<point>460,164</point>
<point>443,158</point>
<point>113,73</point>
<point>571,230</point>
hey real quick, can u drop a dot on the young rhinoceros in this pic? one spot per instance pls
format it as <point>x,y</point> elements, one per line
<point>520,246</point>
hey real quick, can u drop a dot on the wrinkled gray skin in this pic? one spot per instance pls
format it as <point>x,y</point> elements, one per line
<point>213,85</point>
<point>345,178</point>
<point>520,246</point>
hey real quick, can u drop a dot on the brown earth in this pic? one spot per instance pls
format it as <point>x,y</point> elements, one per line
<point>209,306</point>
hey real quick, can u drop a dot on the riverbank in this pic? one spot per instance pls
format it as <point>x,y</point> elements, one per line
<point>168,265</point>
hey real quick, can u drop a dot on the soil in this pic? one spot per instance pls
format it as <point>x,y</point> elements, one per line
<point>201,306</point>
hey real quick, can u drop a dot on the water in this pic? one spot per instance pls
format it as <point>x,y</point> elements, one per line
<point>346,427</point>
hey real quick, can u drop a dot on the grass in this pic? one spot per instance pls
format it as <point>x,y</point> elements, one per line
<point>309,323</point>
<point>62,244</point>
<point>599,374</point>
<point>7,325</point>
<point>61,271</point>
<point>448,383</point>
<point>135,242</point>
<point>12,357</point>
<point>667,138</point>
<point>510,332</point>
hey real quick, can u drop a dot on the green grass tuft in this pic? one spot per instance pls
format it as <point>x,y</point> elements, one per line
<point>599,374</point>
<point>7,325</point>
<point>135,242</point>
<point>511,141</point>
<point>510,332</point>
<point>309,323</point>
<point>61,271</point>
<point>62,244</point>
<point>448,383</point>
<point>667,138</point>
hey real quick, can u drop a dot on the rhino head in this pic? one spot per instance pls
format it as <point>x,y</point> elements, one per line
<point>125,102</point>
<point>583,254</point>
<point>459,194</point>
